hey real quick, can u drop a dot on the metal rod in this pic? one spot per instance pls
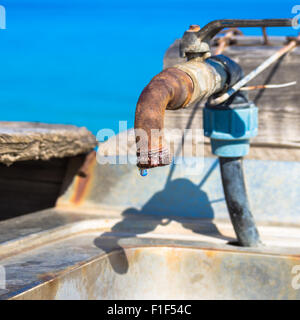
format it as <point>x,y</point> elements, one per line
<point>224,41</point>
<point>212,28</point>
<point>265,35</point>
<point>290,46</point>
<point>269,86</point>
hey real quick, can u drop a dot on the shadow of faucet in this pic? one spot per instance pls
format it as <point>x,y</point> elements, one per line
<point>179,200</point>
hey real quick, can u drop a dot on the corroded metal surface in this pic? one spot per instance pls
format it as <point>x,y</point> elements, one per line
<point>208,76</point>
<point>83,178</point>
<point>164,272</point>
<point>172,88</point>
<point>65,254</point>
<point>196,41</point>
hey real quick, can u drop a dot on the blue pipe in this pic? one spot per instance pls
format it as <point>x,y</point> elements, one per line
<point>230,127</point>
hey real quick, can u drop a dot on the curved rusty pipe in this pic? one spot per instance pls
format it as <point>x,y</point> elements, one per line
<point>170,89</point>
<point>173,88</point>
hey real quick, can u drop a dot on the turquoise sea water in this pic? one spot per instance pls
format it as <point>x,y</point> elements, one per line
<point>85,62</point>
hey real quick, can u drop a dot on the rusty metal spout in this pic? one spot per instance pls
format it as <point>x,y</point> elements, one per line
<point>170,89</point>
<point>174,88</point>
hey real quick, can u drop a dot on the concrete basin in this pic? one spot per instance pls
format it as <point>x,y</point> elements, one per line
<point>174,272</point>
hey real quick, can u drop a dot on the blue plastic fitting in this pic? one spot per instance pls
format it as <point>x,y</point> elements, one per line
<point>230,129</point>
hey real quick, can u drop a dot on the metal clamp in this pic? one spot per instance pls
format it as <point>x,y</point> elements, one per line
<point>230,126</point>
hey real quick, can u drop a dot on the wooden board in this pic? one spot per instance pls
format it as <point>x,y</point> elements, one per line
<point>21,141</point>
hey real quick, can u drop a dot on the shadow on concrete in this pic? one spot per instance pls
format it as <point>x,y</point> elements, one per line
<point>178,201</point>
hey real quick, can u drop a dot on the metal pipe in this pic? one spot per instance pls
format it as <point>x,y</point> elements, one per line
<point>237,202</point>
<point>173,88</point>
<point>212,28</point>
<point>196,41</point>
<point>255,72</point>
<point>265,36</point>
<point>269,86</point>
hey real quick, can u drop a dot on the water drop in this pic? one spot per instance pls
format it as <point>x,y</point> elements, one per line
<point>143,172</point>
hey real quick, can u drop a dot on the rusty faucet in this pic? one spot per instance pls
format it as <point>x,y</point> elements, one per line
<point>173,88</point>
<point>184,84</point>
<point>229,119</point>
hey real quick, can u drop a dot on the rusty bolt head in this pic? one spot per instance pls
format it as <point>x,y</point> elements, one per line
<point>194,28</point>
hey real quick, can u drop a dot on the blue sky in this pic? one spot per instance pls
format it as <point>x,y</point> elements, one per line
<point>85,62</point>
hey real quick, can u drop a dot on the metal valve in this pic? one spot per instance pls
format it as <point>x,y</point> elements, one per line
<point>196,40</point>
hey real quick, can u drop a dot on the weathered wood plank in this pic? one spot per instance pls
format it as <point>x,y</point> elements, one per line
<point>21,141</point>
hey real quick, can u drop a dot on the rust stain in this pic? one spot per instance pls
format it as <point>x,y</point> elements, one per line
<point>50,276</point>
<point>89,280</point>
<point>210,253</point>
<point>90,272</point>
<point>133,255</point>
<point>173,259</point>
<point>49,292</point>
<point>83,179</point>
